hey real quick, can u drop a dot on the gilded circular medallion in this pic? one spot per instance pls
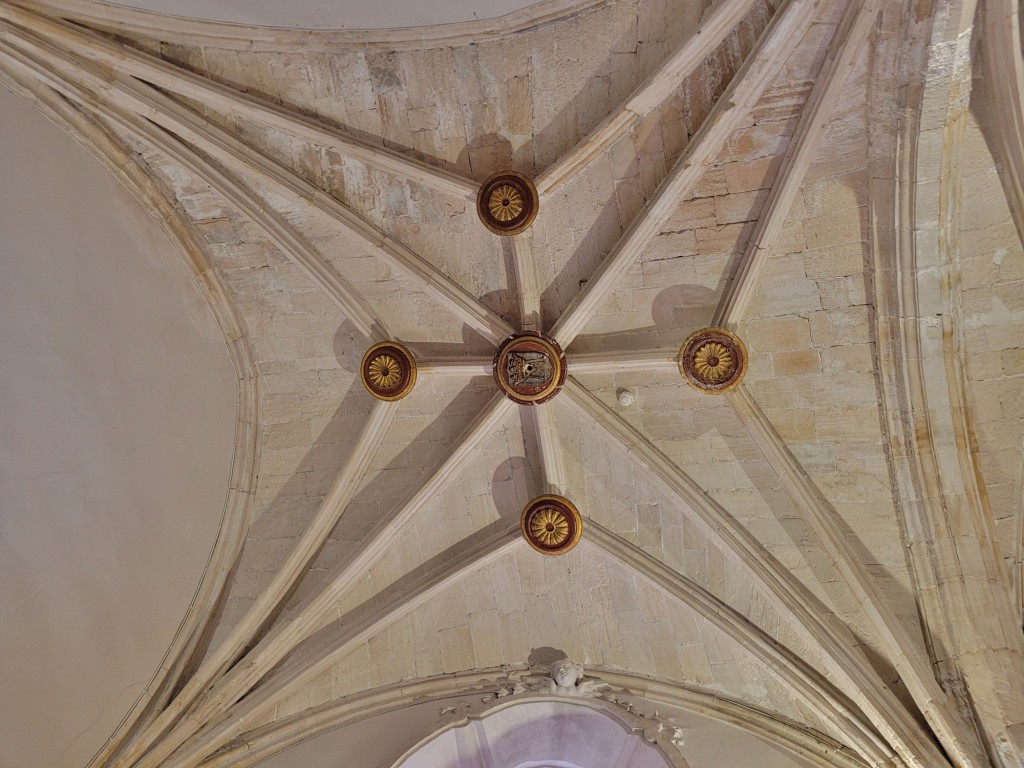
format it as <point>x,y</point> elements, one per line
<point>388,371</point>
<point>713,360</point>
<point>529,368</point>
<point>507,203</point>
<point>551,524</point>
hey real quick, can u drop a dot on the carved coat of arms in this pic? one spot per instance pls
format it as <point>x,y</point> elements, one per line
<point>529,369</point>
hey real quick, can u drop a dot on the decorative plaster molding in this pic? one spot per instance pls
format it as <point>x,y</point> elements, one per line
<point>563,677</point>
<point>484,686</point>
<point>530,720</point>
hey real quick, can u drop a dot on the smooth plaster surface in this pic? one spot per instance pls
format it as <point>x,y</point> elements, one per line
<point>117,409</point>
<point>331,14</point>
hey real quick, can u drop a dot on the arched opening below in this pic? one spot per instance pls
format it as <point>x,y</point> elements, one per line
<point>537,734</point>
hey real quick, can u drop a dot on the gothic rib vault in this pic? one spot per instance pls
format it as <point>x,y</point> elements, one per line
<point>826,556</point>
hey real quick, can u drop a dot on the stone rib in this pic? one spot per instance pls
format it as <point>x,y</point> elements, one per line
<point>274,226</point>
<point>130,61</point>
<point>835,642</point>
<point>321,649</point>
<point>809,684</point>
<point>722,19</point>
<point>786,29</point>
<point>139,98</point>
<point>847,44</point>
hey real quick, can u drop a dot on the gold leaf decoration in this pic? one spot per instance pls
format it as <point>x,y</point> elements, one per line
<point>713,362</point>
<point>385,372</point>
<point>505,202</point>
<point>549,527</point>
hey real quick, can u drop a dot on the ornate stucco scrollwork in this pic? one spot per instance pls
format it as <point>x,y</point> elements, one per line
<point>507,203</point>
<point>529,368</point>
<point>388,371</point>
<point>551,524</point>
<point>713,360</point>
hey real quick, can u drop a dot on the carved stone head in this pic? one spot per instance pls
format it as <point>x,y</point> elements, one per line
<point>566,673</point>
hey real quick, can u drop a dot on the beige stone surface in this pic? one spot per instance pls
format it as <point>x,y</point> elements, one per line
<point>993,305</point>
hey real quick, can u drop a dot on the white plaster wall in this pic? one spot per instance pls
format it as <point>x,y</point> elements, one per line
<point>117,408</point>
<point>331,14</point>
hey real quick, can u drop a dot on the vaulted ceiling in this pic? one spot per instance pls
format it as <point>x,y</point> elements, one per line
<point>825,560</point>
<point>326,14</point>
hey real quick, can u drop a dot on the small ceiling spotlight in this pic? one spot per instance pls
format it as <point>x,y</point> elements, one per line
<point>625,398</point>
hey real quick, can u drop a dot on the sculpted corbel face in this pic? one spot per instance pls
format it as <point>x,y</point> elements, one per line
<point>565,673</point>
